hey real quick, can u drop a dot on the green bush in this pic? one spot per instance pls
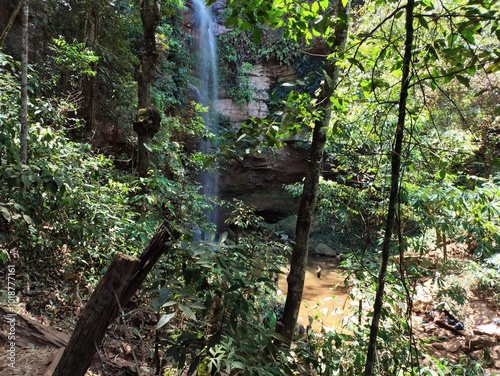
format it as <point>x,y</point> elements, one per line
<point>216,306</point>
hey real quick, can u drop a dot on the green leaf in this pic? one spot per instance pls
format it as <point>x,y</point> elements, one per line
<point>6,213</point>
<point>26,180</point>
<point>481,92</point>
<point>257,36</point>
<point>164,320</point>
<point>241,137</point>
<point>169,304</point>
<point>315,7</point>
<point>188,312</point>
<point>428,5</point>
<point>367,83</point>
<point>398,73</point>
<point>423,22</point>
<point>28,219</point>
<point>148,147</point>
<point>152,200</point>
<point>223,237</point>
<point>494,67</point>
<point>463,80</point>
<point>238,365</point>
<point>245,26</point>
<point>232,21</point>
<point>357,63</point>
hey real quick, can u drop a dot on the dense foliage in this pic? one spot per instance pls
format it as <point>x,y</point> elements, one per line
<point>77,202</point>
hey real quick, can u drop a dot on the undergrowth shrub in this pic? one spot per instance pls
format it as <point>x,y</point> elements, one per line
<point>487,279</point>
<point>217,304</point>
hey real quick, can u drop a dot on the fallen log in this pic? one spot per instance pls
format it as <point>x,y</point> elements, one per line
<point>30,333</point>
<point>119,283</point>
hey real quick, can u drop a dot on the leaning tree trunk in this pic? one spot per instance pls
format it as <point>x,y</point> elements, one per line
<point>150,16</point>
<point>115,289</point>
<point>298,260</point>
<point>394,191</point>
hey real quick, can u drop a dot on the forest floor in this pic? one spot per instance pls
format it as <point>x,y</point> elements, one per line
<point>39,345</point>
<point>435,323</point>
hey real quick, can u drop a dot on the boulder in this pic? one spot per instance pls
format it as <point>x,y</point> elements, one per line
<point>324,250</point>
<point>491,329</point>
<point>453,345</point>
<point>476,342</point>
<point>422,299</point>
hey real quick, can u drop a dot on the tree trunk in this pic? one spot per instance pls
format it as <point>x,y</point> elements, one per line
<point>24,85</point>
<point>394,191</point>
<point>12,18</point>
<point>146,125</point>
<point>91,82</point>
<point>143,140</point>
<point>298,260</point>
<point>30,333</point>
<point>150,16</point>
<point>439,236</point>
<point>115,289</point>
<point>486,148</point>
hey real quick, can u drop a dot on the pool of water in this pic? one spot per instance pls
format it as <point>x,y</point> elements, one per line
<point>324,298</point>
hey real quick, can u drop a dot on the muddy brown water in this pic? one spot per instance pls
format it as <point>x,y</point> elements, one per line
<point>324,298</point>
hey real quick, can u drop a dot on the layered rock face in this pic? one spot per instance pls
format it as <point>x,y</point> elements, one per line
<point>262,78</point>
<point>258,181</point>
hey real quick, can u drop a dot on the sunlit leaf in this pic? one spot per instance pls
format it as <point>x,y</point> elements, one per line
<point>28,219</point>
<point>6,213</point>
<point>315,7</point>
<point>164,320</point>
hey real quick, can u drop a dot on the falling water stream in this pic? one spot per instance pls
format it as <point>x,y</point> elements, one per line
<point>205,26</point>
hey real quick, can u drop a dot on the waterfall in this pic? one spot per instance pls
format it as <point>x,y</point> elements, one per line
<point>207,52</point>
<point>205,26</point>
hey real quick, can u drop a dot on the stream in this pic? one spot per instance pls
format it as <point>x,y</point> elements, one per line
<point>322,296</point>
